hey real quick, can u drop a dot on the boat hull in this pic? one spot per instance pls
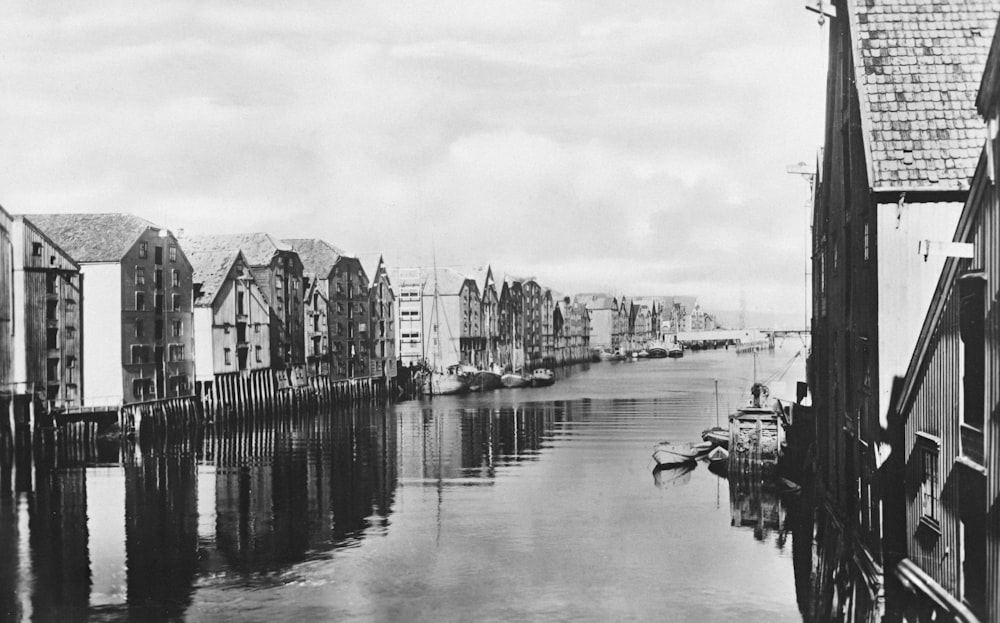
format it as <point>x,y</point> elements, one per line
<point>485,381</point>
<point>657,353</point>
<point>515,380</point>
<point>442,385</point>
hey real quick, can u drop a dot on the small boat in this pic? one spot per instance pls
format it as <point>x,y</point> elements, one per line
<point>485,381</point>
<point>515,379</point>
<point>643,354</point>
<point>667,455</point>
<point>675,351</point>
<point>542,377</point>
<point>717,435</point>
<point>657,352</point>
<point>606,355</point>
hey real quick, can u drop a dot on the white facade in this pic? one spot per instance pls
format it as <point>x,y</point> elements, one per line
<point>204,368</point>
<point>102,334</point>
<point>906,282</point>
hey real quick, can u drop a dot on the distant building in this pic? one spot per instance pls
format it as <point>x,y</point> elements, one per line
<point>277,270</point>
<point>138,284</point>
<point>603,310</point>
<point>382,304</point>
<point>511,323</point>
<point>490,318</point>
<point>532,322</point>
<point>318,259</point>
<point>232,323</point>
<point>410,345</point>
<point>349,319</point>
<point>47,335</point>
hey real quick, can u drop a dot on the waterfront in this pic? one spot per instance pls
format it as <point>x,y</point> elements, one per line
<point>536,504</point>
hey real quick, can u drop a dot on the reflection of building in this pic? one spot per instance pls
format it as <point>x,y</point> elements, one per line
<point>138,287</point>
<point>756,506</point>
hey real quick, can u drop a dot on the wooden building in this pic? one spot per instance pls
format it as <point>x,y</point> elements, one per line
<point>549,306</point>
<point>231,317</point>
<point>603,309</point>
<point>349,319</point>
<point>900,146</point>
<point>318,258</point>
<point>382,313</point>
<point>48,297</point>
<point>532,322</point>
<point>945,421</point>
<point>277,270</point>
<point>490,318</point>
<point>511,325</point>
<point>138,284</point>
<point>6,310</point>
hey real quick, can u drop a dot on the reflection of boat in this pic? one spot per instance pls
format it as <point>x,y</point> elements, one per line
<point>667,455</point>
<point>673,476</point>
<point>542,377</point>
<point>515,379</point>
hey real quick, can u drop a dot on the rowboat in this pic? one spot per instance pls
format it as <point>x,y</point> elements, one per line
<point>667,455</point>
<point>717,435</point>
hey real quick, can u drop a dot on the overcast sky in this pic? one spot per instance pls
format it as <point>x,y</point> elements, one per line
<point>634,147</point>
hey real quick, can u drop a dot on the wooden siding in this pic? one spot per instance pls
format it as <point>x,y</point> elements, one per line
<point>162,377</point>
<point>382,327</point>
<point>6,300</point>
<point>49,289</point>
<point>348,319</point>
<point>227,323</point>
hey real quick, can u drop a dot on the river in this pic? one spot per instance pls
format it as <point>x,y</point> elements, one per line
<point>532,504</point>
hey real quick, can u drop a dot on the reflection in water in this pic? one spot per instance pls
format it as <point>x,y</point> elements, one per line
<point>127,531</point>
<point>673,476</point>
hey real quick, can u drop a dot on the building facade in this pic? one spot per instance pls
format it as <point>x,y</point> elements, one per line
<point>318,258</point>
<point>47,336</point>
<point>382,310</point>
<point>139,289</point>
<point>349,319</point>
<point>231,317</point>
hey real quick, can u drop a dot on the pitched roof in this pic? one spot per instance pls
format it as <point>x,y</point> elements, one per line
<point>93,237</point>
<point>318,256</point>
<point>918,68</point>
<point>210,269</point>
<point>258,248</point>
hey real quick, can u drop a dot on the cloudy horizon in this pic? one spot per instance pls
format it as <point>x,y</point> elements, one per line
<point>639,149</point>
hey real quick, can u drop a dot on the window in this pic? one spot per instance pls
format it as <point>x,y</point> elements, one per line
<point>138,353</point>
<point>240,304</point>
<point>158,303</point>
<point>140,301</point>
<point>176,302</point>
<point>176,352</point>
<point>256,328</point>
<point>927,446</point>
<point>140,328</point>
<point>175,278</point>
<point>866,242</point>
<point>158,329</point>
<point>228,355</point>
<point>158,278</point>
<point>158,255</point>
<point>278,285</point>
<point>177,329</point>
<point>258,353</point>
<point>140,276</point>
<point>36,249</point>
<point>173,253</point>
<point>972,313</point>
<point>143,250</point>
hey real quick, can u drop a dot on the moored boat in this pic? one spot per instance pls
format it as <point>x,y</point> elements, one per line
<point>443,383</point>
<point>667,455</point>
<point>515,379</point>
<point>541,377</point>
<point>717,435</point>
<point>675,351</point>
<point>657,351</point>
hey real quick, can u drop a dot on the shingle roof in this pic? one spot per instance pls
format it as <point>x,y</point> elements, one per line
<point>258,248</point>
<point>318,256</point>
<point>918,66</point>
<point>92,237</point>
<point>210,269</point>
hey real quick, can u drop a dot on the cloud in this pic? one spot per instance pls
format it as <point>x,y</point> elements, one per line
<point>638,147</point>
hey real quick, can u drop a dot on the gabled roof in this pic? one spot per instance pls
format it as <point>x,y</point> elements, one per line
<point>318,256</point>
<point>918,67</point>
<point>211,267</point>
<point>28,223</point>
<point>258,248</point>
<point>93,237</point>
<point>382,272</point>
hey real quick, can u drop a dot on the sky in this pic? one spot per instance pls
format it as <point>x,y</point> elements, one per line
<point>635,148</point>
